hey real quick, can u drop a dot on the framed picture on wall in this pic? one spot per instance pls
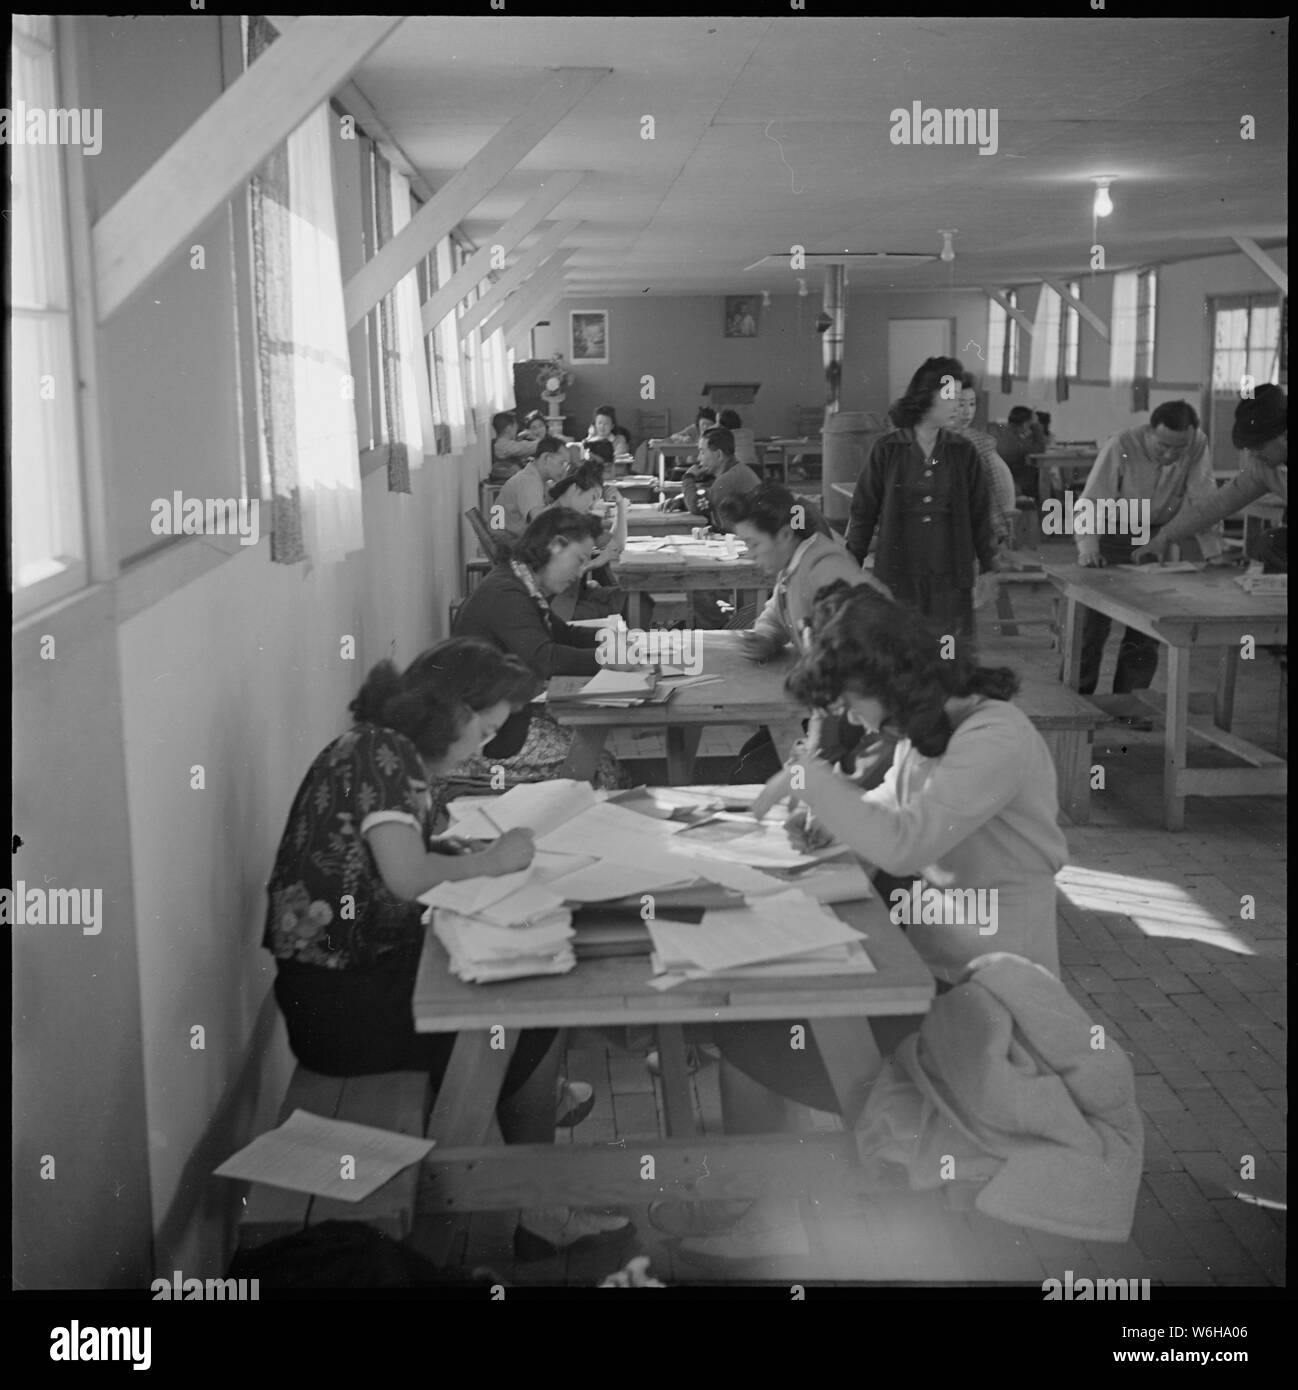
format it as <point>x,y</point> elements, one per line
<point>588,330</point>
<point>743,315</point>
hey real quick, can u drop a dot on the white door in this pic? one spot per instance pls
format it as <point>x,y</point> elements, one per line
<point>910,341</point>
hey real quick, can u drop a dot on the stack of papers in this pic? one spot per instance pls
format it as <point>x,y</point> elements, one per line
<point>618,689</point>
<point>788,933</point>
<point>501,928</point>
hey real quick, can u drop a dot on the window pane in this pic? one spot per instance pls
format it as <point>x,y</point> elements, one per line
<point>995,336</point>
<point>39,268</point>
<point>47,534</point>
<point>1232,328</point>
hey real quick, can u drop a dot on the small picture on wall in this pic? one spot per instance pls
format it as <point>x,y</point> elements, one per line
<point>743,314</point>
<point>589,333</point>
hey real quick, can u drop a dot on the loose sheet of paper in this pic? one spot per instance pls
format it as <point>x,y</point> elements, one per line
<point>788,924</point>
<point>610,831</point>
<point>609,878</point>
<point>537,806</point>
<point>305,1155</point>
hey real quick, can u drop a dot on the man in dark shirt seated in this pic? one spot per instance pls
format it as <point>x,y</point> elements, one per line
<point>716,476</point>
<point>1014,442</point>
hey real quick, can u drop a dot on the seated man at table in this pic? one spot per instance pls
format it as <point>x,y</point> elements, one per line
<point>1262,427</point>
<point>1159,469</point>
<point>795,547</point>
<point>1014,444</point>
<point>717,476</point>
<point>507,451</point>
<point>525,494</point>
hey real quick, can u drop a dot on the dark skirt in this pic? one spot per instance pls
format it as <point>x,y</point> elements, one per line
<point>360,1023</point>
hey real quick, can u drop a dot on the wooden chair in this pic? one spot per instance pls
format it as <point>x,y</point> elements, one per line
<point>491,541</point>
<point>653,424</point>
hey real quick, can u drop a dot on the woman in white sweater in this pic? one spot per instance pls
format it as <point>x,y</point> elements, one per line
<point>969,803</point>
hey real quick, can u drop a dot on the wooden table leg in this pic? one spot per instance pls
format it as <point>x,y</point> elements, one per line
<point>1227,672</point>
<point>852,1059</point>
<point>1071,642</point>
<point>682,749</point>
<point>464,1115</point>
<point>674,1072</point>
<point>583,756</point>
<point>1174,748</point>
<point>1005,612</point>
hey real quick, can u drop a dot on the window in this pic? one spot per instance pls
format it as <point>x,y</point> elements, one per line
<point>1003,336</point>
<point>1246,341</point>
<point>1146,317</point>
<point>1070,329</point>
<point>48,522</point>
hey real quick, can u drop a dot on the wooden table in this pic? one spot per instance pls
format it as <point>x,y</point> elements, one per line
<point>470,1170</point>
<point>791,448</point>
<point>1074,467</point>
<point>685,571</point>
<point>672,448</point>
<point>749,693</point>
<point>648,519</point>
<point>1184,611</point>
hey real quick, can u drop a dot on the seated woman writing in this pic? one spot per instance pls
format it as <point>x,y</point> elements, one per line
<point>793,545</point>
<point>594,594</point>
<point>511,609</point>
<point>970,802</point>
<point>344,923</point>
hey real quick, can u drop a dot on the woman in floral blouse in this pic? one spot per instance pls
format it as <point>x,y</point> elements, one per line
<point>344,923</point>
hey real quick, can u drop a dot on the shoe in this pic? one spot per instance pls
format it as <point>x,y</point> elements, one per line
<point>574,1102</point>
<point>686,1219</point>
<point>545,1231</point>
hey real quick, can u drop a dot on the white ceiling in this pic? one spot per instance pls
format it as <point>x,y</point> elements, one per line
<point>771,132</point>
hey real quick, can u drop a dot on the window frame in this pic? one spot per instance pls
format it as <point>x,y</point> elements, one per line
<point>86,512</point>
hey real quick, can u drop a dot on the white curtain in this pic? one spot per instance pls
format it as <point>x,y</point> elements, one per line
<point>448,337</point>
<point>1122,338</point>
<point>416,397</point>
<point>328,459</point>
<point>503,398</point>
<point>1043,362</point>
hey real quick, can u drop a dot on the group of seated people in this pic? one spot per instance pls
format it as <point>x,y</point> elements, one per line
<point>915,756</point>
<point>510,446</point>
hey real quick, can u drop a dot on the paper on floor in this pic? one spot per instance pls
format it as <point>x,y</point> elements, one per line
<point>304,1155</point>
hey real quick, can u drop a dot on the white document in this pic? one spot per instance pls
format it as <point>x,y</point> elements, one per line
<point>788,924</point>
<point>611,832</point>
<point>305,1155</point>
<point>609,878</point>
<point>1172,567</point>
<point>727,872</point>
<point>615,621</point>
<point>619,683</point>
<point>536,806</point>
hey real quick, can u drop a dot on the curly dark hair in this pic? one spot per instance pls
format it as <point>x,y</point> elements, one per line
<point>584,477</point>
<point>431,700</point>
<point>871,646</point>
<point>917,399</point>
<point>532,548</point>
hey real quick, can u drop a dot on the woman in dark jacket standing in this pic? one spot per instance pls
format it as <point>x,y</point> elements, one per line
<point>923,490</point>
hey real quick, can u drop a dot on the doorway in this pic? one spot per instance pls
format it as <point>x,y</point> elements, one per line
<point>910,341</point>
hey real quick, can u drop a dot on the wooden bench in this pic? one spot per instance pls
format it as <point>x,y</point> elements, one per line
<point>398,1100</point>
<point>1064,719</point>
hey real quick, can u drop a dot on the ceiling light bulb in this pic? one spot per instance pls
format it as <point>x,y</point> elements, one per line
<point>1103,203</point>
<point>948,251</point>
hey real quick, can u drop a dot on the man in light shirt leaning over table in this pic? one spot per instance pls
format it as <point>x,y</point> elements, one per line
<point>1156,470</point>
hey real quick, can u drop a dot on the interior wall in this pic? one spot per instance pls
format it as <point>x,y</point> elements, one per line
<point>81,1208</point>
